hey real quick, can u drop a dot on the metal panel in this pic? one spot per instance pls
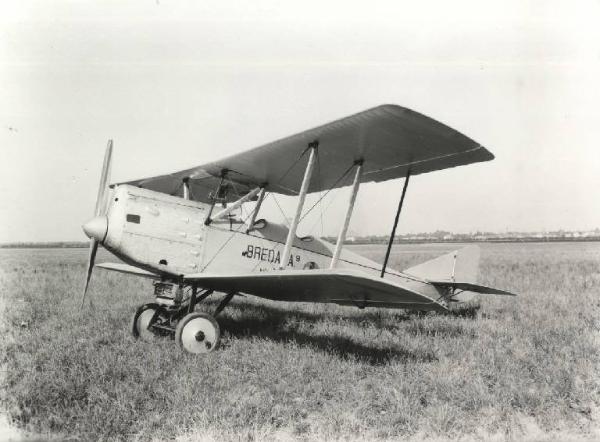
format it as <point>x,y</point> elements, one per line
<point>157,231</point>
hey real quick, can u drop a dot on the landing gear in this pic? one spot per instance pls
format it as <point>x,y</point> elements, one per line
<point>144,319</point>
<point>198,333</point>
<point>174,316</point>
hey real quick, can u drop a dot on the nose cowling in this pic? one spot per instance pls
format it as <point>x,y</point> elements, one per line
<point>96,228</point>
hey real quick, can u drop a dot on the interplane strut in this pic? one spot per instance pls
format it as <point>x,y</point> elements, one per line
<point>391,240</point>
<point>301,197</point>
<point>342,235</point>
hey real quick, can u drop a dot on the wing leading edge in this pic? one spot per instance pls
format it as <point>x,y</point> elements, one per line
<point>343,287</point>
<point>125,268</point>
<point>389,139</point>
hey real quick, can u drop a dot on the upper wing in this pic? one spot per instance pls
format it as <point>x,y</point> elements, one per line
<point>344,287</point>
<point>389,139</point>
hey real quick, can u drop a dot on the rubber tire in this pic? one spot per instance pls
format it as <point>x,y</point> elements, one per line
<point>192,318</point>
<point>134,322</point>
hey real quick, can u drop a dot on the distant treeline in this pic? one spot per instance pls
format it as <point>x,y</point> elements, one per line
<point>45,245</point>
<point>461,239</point>
<point>332,240</point>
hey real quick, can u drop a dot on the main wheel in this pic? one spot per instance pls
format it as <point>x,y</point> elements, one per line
<point>143,319</point>
<point>198,333</point>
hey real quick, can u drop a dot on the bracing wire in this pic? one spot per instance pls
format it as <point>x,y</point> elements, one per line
<point>280,179</point>
<point>248,216</point>
<point>329,190</point>
<point>323,209</point>
<point>233,232</point>
<point>285,220</point>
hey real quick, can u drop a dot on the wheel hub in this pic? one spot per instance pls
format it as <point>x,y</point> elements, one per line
<point>198,333</point>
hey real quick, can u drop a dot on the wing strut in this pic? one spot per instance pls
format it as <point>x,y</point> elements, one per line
<point>215,197</point>
<point>261,197</point>
<point>390,242</point>
<point>342,235</point>
<point>227,210</point>
<point>301,197</point>
<point>186,188</point>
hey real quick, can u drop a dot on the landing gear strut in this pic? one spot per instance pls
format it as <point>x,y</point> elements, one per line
<point>194,332</point>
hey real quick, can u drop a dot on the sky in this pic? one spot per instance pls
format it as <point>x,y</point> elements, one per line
<point>178,84</point>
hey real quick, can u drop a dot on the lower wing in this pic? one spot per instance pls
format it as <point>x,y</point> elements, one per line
<point>124,268</point>
<point>343,287</point>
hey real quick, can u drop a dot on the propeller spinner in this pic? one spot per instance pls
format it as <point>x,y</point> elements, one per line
<point>96,228</point>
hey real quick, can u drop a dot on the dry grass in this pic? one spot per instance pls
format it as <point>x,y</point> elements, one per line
<point>524,368</point>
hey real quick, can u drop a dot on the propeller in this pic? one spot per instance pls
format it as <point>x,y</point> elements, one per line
<point>97,227</point>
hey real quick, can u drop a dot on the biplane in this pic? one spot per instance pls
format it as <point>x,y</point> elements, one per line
<point>184,230</point>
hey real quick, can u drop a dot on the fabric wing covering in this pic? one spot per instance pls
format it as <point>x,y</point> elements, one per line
<point>345,287</point>
<point>389,139</point>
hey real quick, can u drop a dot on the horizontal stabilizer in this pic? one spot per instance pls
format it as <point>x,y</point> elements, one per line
<point>470,287</point>
<point>456,270</point>
<point>125,268</point>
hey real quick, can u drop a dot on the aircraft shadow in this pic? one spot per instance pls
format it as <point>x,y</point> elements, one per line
<point>280,325</point>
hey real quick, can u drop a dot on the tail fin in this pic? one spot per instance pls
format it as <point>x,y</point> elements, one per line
<point>456,271</point>
<point>461,265</point>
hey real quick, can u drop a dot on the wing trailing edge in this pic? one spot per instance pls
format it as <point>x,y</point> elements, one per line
<point>390,141</point>
<point>345,287</point>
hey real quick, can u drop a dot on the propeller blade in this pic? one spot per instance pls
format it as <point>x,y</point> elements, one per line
<point>104,178</point>
<point>101,206</point>
<point>90,266</point>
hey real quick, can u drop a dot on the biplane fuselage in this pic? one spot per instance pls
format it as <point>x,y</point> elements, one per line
<point>180,229</point>
<point>167,235</point>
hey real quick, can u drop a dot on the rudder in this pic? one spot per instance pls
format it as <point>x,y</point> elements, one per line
<point>456,272</point>
<point>460,265</point>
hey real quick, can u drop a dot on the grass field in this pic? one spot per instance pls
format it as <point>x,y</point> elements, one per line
<point>520,369</point>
